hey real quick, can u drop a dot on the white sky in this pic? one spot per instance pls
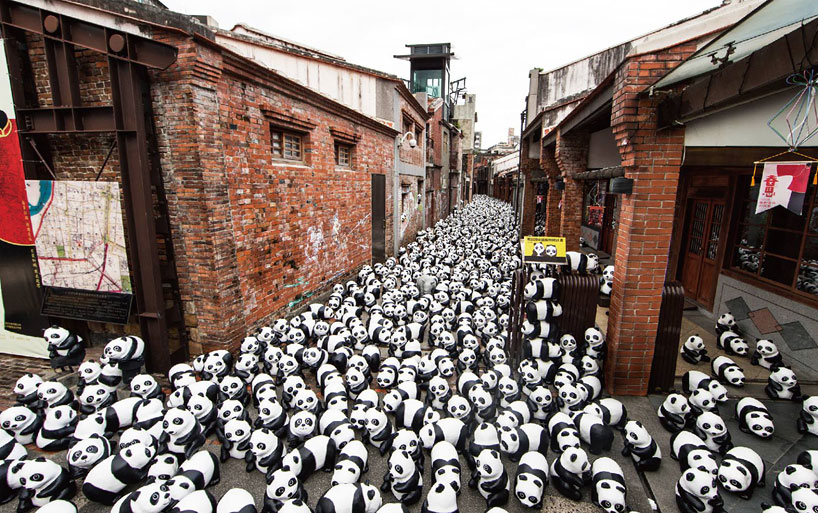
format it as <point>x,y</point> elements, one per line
<point>495,43</point>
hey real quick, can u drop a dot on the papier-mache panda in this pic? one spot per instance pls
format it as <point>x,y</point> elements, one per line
<point>282,485</point>
<point>783,384</point>
<point>236,500</point>
<point>146,387</point>
<point>404,478</point>
<point>741,470</point>
<point>182,432</point>
<point>42,481</point>
<point>151,498</point>
<point>22,422</point>
<point>727,371</point>
<point>697,492</point>
<point>353,461</point>
<point>446,465</point>
<point>65,349</point>
<point>695,380</point>
<point>492,480</point>
<point>163,468</point>
<point>25,389</point>
<point>266,448</point>
<point>693,350</point>
<point>792,478</point>
<point>531,479</point>
<point>674,413</point>
<point>562,432</point>
<point>10,448</point>
<point>612,412</point>
<point>56,431</point>
<point>641,447</point>
<point>198,472</point>
<point>542,288</point>
<point>441,498</point>
<point>691,452</point>
<point>350,498</point>
<point>106,480</point>
<point>594,432</point>
<point>54,393</point>
<point>200,501</point>
<point>766,354</point>
<point>317,453</point>
<point>754,418</point>
<point>731,343</point>
<point>609,491</point>
<point>85,454</point>
<point>528,437</point>
<point>570,472</point>
<point>580,262</point>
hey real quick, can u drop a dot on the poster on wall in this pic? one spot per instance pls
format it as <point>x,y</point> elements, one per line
<point>80,241</point>
<point>783,184</point>
<point>21,324</point>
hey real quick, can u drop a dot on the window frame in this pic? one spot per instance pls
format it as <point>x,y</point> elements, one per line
<point>283,134</point>
<point>343,146</point>
<point>742,201</point>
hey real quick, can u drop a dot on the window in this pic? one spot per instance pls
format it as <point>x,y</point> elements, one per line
<point>777,246</point>
<point>343,155</point>
<point>594,199</point>
<point>286,145</point>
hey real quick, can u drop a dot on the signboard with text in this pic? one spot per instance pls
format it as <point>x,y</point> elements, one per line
<point>544,250</point>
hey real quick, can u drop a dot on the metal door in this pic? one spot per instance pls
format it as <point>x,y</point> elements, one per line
<point>378,218</point>
<point>699,270</point>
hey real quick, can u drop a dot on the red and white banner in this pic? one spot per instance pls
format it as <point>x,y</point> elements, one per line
<point>783,184</point>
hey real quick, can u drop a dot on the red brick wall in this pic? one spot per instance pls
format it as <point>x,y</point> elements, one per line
<point>552,202</point>
<point>652,158</point>
<point>571,155</point>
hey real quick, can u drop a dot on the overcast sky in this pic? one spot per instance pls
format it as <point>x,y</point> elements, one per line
<point>495,43</point>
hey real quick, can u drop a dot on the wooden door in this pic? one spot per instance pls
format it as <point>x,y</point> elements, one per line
<point>700,252</point>
<point>378,218</point>
<point>608,224</point>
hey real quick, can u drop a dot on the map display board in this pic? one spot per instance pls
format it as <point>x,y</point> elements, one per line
<point>79,235</point>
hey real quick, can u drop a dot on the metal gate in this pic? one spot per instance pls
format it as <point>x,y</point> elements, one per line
<point>378,218</point>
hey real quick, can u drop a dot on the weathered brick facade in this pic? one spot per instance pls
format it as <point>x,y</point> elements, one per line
<point>653,159</point>
<point>571,155</point>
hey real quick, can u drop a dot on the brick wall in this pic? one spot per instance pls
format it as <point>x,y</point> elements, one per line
<point>571,155</point>
<point>553,215</point>
<point>653,159</point>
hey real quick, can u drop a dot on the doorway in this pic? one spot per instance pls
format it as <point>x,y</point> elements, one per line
<point>378,218</point>
<point>700,250</point>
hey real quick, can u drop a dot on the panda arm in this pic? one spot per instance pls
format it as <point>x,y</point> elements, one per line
<point>250,461</point>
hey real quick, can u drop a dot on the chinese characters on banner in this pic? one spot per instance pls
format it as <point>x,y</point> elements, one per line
<point>784,184</point>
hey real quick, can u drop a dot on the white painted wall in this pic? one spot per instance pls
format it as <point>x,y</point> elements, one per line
<point>510,161</point>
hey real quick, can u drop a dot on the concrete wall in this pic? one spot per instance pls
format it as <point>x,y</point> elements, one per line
<point>464,114</point>
<point>794,325</point>
<point>602,150</point>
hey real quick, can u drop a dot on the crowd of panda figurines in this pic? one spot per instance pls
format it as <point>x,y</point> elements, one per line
<point>702,444</point>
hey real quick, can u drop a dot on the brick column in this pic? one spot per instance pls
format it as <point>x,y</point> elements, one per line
<point>571,156</point>
<point>553,197</point>
<point>652,159</point>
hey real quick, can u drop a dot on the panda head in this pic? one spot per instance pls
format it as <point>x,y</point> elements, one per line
<point>292,385</point>
<point>446,367</point>
<point>509,440</point>
<point>372,498</point>
<point>796,476</point>
<point>302,424</point>
<point>739,346</point>
<point>87,453</point>
<point>507,387</point>
<point>570,395</point>
<point>490,379</point>
<point>481,398</point>
<point>734,476</point>
<point>760,424</point>
<point>401,465</point>
<point>249,345</point>
<point>726,320</point>
<point>247,362</point>
<point>306,400</point>
<point>541,395</point>
<point>766,348</point>
<point>575,461</point>
<point>178,421</point>
<point>568,343</point>
<point>237,430</point>
<point>589,365</point>
<point>94,395</point>
<point>608,273</point>
<point>489,465</point>
<point>342,435</point>
<point>783,376</point>
<point>810,405</point>
<point>89,371</point>
<point>151,498</point>
<point>181,375</point>
<point>467,357</point>
<point>702,459</point>
<point>345,472</point>
<point>497,356</point>
<point>438,387</point>
<point>58,417</point>
<point>551,251</point>
<point>198,363</point>
<point>143,385</point>
<point>805,500</point>
<point>694,343</point>
<point>180,486</point>
<point>702,399</point>
<point>676,404</point>
<point>119,348</point>
<point>282,485</point>
<point>355,379</point>
<point>218,363</point>
<point>734,375</point>
<point>163,469</point>
<point>636,434</point>
<point>711,425</point>
<point>699,484</point>
<point>611,496</point>
<point>136,435</point>
<point>57,337</point>
<point>448,474</point>
<point>137,455</point>
<point>50,391</point>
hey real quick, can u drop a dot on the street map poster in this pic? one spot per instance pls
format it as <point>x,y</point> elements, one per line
<point>21,324</point>
<point>79,235</point>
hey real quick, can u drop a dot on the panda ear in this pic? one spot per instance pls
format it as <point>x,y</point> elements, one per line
<point>371,494</point>
<point>689,476</point>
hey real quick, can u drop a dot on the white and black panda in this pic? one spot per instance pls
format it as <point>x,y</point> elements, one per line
<point>407,440</point>
<point>303,425</point>
<point>128,353</point>
<point>181,375</point>
<point>200,501</point>
<point>542,288</point>
<point>448,429</point>
<point>236,443</point>
<point>54,393</point>
<point>594,432</point>
<point>196,473</point>
<point>42,481</point>
<point>282,485</point>
<point>783,384</point>
<point>96,397</point>
<point>695,380</point>
<point>483,437</point>
<point>741,470</point>
<point>609,491</point>
<point>106,480</point>
<point>808,416</point>
<point>754,418</point>
<point>236,500</point>
<point>492,480</point>
<point>55,433</point>
<point>85,454</point>
<point>531,479</point>
<point>163,468</point>
<point>315,454</point>
<point>701,400</point>
<point>351,464</point>
<point>350,498</point>
<point>217,364</point>
<point>713,430</point>
<point>805,500</point>
<point>65,349</point>
<point>612,412</point>
<point>146,387</point>
<point>23,423</point>
<point>151,498</point>
<point>731,343</point>
<point>641,447</point>
<point>692,452</point>
<point>725,322</point>
<point>403,478</point>
<point>697,492</point>
<point>570,472</point>
<point>791,478</point>
<point>766,354</point>
<point>727,371</point>
<point>693,350</point>
<point>266,449</point>
<point>182,432</point>
<point>441,498</point>
<point>446,465</point>
<point>562,432</point>
<point>674,413</point>
<point>25,389</point>
<point>580,262</point>
<point>528,437</point>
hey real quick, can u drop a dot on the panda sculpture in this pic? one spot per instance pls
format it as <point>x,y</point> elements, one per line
<point>350,498</point>
<point>236,500</point>
<point>731,343</point>
<point>697,492</point>
<point>674,413</point>
<point>54,393</point>
<point>741,470</point>
<point>580,262</point>
<point>146,387</point>
<point>609,491</point>
<point>562,432</point>
<point>266,449</point>
<point>42,481</point>
<point>725,322</point>
<point>695,380</point>
<point>23,423</point>
<point>25,389</point>
<point>379,430</point>
<point>700,401</point>
<point>151,498</point>
<point>282,485</point>
<point>791,478</point>
<point>108,478</point>
<point>693,350</point>
<point>484,437</point>
<point>200,501</point>
<point>528,437</point>
<point>128,353</point>
<point>531,479</point>
<point>85,454</point>
<point>691,452</point>
<point>492,479</point>
<point>403,478</point>
<point>783,384</point>
<point>594,432</point>
<point>570,472</point>
<point>10,448</point>
<point>198,472</point>
<point>713,430</point>
<point>303,425</point>
<point>65,349</point>
<point>641,447</point>
<point>727,371</point>
<point>808,416</point>
<point>57,428</point>
<point>441,498</point>
<point>317,453</point>
<point>805,499</point>
<point>352,462</point>
<point>181,432</point>
<point>612,412</point>
<point>754,418</point>
<point>163,468</point>
<point>95,397</point>
<point>446,465</point>
<point>766,354</point>
<point>236,443</point>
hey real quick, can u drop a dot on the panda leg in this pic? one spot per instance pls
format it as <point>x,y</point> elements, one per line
<point>497,499</point>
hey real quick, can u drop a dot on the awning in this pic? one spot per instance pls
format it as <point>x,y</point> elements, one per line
<point>600,174</point>
<point>771,21</point>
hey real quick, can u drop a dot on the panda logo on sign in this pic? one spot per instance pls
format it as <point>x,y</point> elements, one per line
<point>551,251</point>
<point>539,249</point>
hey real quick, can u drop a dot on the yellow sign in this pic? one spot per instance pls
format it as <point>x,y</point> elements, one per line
<point>547,250</point>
